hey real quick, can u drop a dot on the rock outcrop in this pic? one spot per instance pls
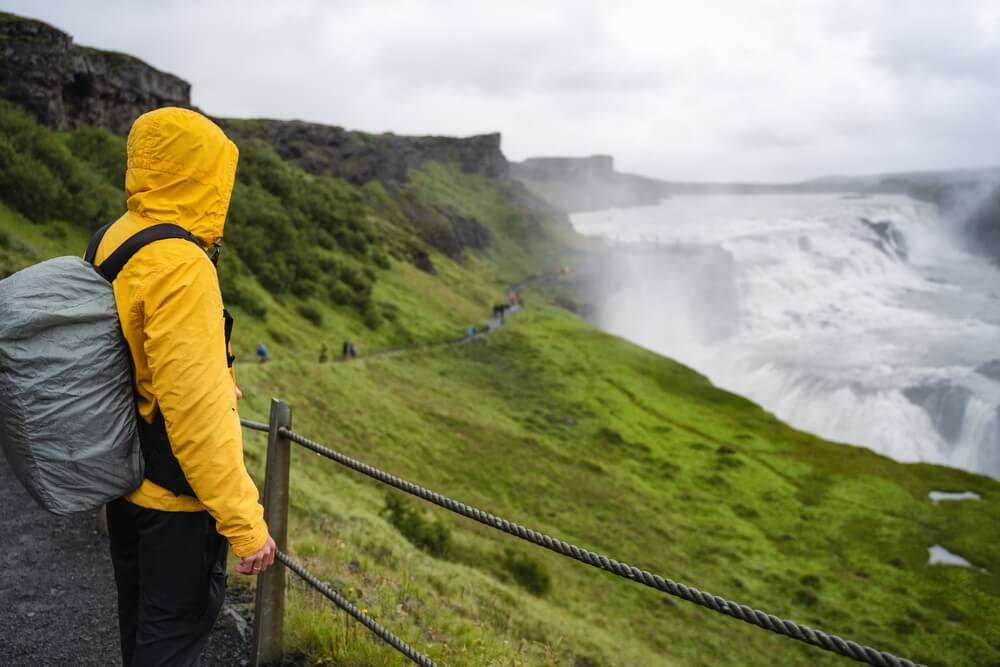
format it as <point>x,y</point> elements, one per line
<point>360,157</point>
<point>587,183</point>
<point>444,229</point>
<point>984,224</point>
<point>65,85</point>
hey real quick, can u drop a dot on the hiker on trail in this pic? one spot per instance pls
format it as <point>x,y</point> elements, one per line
<point>471,331</point>
<point>261,352</point>
<point>512,297</point>
<point>169,536</point>
<point>345,350</point>
<point>354,350</point>
<point>322,354</point>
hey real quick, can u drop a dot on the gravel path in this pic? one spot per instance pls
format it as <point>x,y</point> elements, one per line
<point>57,592</point>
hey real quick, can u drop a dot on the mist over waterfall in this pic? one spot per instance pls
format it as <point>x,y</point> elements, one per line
<point>861,319</point>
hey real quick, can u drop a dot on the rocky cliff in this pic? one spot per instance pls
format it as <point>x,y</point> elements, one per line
<point>360,157</point>
<point>587,183</point>
<point>65,85</point>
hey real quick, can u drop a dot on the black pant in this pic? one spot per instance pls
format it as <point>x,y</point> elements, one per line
<point>170,568</point>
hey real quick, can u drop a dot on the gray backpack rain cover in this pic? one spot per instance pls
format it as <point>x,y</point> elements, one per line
<point>67,405</point>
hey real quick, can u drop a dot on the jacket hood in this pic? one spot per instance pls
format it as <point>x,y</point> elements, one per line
<point>181,168</point>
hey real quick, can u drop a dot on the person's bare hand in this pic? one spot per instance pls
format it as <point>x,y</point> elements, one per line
<point>260,560</point>
<point>239,394</point>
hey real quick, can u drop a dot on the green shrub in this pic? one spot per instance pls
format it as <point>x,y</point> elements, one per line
<point>288,226</point>
<point>527,572</point>
<point>41,177</point>
<point>8,265</point>
<point>236,293</point>
<point>434,537</point>
<point>371,316</point>
<point>356,280</point>
<point>341,294</point>
<point>104,151</point>
<point>389,311</point>
<point>279,337</point>
<point>310,313</point>
<point>15,254</point>
<point>381,260</point>
<point>56,231</point>
<point>26,184</point>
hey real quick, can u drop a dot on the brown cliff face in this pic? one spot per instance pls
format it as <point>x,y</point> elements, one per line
<point>359,157</point>
<point>65,85</point>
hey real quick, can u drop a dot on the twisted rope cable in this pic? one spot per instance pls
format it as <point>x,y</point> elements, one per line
<point>358,615</point>
<point>788,628</point>
<point>255,426</point>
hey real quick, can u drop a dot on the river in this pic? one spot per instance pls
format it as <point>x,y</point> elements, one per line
<point>864,320</point>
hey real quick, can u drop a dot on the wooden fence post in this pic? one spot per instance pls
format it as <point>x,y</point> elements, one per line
<point>269,605</point>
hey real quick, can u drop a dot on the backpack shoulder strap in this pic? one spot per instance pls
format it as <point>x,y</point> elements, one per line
<point>111,266</point>
<point>95,241</point>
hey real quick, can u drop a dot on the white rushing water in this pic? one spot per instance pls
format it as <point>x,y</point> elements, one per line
<point>864,320</point>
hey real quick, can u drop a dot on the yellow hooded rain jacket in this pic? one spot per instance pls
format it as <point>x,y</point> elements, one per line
<point>181,169</point>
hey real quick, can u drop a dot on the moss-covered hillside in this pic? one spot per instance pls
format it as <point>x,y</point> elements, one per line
<point>548,422</point>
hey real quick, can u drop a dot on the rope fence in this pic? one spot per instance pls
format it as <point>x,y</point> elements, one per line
<point>254,426</point>
<point>358,615</point>
<point>747,614</point>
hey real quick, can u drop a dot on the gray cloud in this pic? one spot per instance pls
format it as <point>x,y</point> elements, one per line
<point>939,40</point>
<point>710,89</point>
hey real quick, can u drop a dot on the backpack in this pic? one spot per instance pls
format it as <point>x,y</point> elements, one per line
<point>68,418</point>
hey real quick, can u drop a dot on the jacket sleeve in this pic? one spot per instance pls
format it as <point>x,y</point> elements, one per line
<point>184,341</point>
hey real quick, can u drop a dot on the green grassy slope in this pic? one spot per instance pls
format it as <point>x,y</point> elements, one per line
<point>550,423</point>
<point>591,439</point>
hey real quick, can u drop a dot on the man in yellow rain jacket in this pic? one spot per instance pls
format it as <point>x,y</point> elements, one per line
<point>169,536</point>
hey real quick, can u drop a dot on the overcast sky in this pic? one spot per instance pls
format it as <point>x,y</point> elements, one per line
<point>692,89</point>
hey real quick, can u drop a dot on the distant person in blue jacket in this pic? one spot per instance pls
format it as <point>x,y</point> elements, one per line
<point>261,352</point>
<point>471,331</point>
